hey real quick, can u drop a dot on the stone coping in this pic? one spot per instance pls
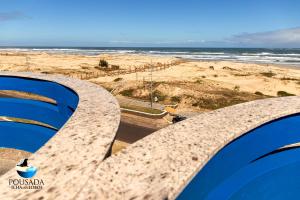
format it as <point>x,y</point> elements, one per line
<point>66,161</point>
<point>162,164</point>
<point>156,167</point>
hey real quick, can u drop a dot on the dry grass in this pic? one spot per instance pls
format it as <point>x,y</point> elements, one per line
<point>127,93</point>
<point>223,98</point>
<point>190,95</point>
<point>289,79</point>
<point>284,94</point>
<point>259,93</point>
<point>268,74</point>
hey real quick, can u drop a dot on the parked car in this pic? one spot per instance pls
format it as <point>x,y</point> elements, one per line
<point>178,118</point>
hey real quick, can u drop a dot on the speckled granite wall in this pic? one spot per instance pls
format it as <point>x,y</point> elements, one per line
<point>68,160</point>
<point>160,165</point>
<point>156,167</point>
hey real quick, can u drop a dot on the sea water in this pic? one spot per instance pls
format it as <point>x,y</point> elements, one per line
<point>250,55</point>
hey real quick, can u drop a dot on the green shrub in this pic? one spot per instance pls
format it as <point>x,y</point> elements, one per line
<point>115,67</point>
<point>107,88</point>
<point>268,74</point>
<point>259,93</point>
<point>160,96</point>
<point>103,63</point>
<point>236,88</point>
<point>289,79</point>
<point>284,94</point>
<point>195,104</point>
<point>199,81</point>
<point>176,99</point>
<point>228,68</point>
<point>128,92</point>
<point>213,104</point>
<point>118,79</point>
<point>84,67</point>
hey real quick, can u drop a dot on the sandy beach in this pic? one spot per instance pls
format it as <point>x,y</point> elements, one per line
<point>194,85</point>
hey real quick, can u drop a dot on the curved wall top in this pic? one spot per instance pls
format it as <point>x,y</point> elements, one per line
<point>157,167</point>
<point>72,155</point>
<point>161,165</point>
<point>45,117</point>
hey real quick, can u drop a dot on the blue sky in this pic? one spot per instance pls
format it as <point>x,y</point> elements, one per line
<point>189,23</point>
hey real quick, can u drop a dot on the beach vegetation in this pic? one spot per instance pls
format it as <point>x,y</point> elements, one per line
<point>160,96</point>
<point>215,75</point>
<point>246,74</point>
<point>259,93</point>
<point>115,67</point>
<point>284,94</point>
<point>176,99</point>
<point>213,104</point>
<point>289,79</point>
<point>128,92</point>
<point>155,83</point>
<point>188,96</point>
<point>118,79</point>
<point>103,63</point>
<point>45,72</point>
<point>84,67</point>
<point>212,67</point>
<point>236,88</point>
<point>268,74</point>
<point>109,89</point>
<point>229,68</point>
<point>199,81</point>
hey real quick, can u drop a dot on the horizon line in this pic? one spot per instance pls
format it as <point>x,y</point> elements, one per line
<point>167,47</point>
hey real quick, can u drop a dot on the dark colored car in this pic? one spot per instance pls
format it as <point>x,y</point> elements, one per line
<point>178,119</point>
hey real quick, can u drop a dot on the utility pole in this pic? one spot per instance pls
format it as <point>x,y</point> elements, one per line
<point>151,86</point>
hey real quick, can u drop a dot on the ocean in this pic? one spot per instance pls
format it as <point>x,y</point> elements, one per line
<point>250,55</point>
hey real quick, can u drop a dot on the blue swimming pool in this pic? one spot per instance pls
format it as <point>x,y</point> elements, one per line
<point>50,115</point>
<point>261,164</point>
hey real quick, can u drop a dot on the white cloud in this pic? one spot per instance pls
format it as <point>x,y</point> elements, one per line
<point>8,16</point>
<point>284,38</point>
<point>279,38</point>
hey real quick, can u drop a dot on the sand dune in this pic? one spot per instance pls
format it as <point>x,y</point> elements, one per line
<point>214,75</point>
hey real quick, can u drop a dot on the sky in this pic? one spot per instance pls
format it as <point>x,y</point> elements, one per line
<point>150,23</point>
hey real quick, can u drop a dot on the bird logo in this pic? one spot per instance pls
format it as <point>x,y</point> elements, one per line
<point>25,170</point>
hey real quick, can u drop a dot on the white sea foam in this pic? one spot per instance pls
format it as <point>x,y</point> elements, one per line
<point>278,56</point>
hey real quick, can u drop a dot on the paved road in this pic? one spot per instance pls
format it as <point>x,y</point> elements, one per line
<point>130,133</point>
